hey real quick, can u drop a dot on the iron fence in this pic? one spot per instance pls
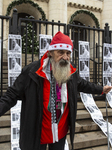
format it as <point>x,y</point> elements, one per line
<point>95,36</point>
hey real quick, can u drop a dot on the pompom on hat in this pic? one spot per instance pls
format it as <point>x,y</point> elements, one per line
<point>61,42</point>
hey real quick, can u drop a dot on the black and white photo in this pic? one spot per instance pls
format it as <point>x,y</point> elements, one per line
<point>14,64</point>
<point>44,41</point>
<point>107,51</point>
<point>15,133</point>
<point>84,66</point>
<point>14,69</point>
<point>107,67</point>
<point>84,51</point>
<point>107,81</point>
<point>15,146</point>
<point>15,116</point>
<point>14,45</point>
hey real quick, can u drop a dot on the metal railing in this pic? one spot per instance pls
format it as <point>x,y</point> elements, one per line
<point>95,36</point>
<point>2,20</point>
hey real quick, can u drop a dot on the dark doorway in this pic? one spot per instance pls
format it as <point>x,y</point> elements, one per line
<point>23,24</point>
<point>78,34</point>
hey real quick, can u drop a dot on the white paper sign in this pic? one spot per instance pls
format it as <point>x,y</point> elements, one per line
<point>87,99</point>
<point>44,41</point>
<point>14,69</point>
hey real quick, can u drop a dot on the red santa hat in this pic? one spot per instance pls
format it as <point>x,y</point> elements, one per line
<point>61,42</point>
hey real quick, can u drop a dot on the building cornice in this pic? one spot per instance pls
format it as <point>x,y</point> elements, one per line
<point>87,7</point>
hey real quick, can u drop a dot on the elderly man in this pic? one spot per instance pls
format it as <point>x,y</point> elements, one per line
<point>48,90</point>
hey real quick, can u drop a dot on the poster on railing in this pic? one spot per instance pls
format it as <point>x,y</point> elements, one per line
<point>84,56</point>
<point>44,41</point>
<point>87,99</point>
<point>107,69</point>
<point>14,69</point>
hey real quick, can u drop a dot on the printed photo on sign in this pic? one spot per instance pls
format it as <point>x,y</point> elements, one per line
<point>14,64</point>
<point>84,66</point>
<point>45,43</point>
<point>107,52</point>
<point>84,51</point>
<point>92,109</point>
<point>107,81</point>
<point>15,117</point>
<point>100,122</point>
<point>15,146</point>
<point>14,45</point>
<point>107,67</point>
<point>15,133</point>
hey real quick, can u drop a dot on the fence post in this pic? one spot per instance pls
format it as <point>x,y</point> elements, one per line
<point>106,34</point>
<point>14,26</point>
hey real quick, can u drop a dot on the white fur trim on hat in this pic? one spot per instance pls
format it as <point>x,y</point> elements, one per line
<point>60,46</point>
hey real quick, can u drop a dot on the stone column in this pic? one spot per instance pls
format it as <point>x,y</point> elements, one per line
<point>58,11</point>
<point>106,15</point>
<point>1,6</point>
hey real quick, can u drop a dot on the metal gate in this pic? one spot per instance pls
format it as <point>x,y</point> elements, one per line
<point>95,36</point>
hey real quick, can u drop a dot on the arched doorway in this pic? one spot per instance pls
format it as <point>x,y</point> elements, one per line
<point>23,24</point>
<point>76,34</point>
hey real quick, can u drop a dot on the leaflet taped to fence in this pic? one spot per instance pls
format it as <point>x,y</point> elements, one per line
<point>14,69</point>
<point>44,41</point>
<point>87,99</point>
<point>107,69</point>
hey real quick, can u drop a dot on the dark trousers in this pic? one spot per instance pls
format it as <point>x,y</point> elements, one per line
<point>55,146</point>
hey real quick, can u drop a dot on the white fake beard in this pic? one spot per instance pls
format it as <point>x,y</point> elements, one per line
<point>61,71</point>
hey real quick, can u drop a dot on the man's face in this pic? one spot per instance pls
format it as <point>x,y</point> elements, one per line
<point>61,55</point>
<point>14,43</point>
<point>60,60</point>
<point>45,42</point>
<point>13,62</point>
<point>83,48</point>
<point>83,64</point>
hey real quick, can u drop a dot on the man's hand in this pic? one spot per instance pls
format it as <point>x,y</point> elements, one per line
<point>106,89</point>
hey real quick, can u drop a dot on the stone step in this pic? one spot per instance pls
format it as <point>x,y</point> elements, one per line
<point>5,81</point>
<point>5,76</point>
<point>88,139</point>
<point>3,92</point>
<point>5,134</point>
<point>100,104</point>
<point>7,113</point>
<point>5,67</point>
<point>88,125</point>
<point>5,71</point>
<point>84,114</point>
<point>4,86</point>
<point>105,147</point>
<point>5,121</point>
<point>81,126</point>
<point>5,146</point>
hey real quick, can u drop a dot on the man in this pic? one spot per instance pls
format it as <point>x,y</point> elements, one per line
<point>45,44</point>
<point>48,90</point>
<point>85,52</point>
<point>14,65</point>
<point>84,67</point>
<point>15,46</point>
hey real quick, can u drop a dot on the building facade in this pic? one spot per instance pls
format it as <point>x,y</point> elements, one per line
<point>82,11</point>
